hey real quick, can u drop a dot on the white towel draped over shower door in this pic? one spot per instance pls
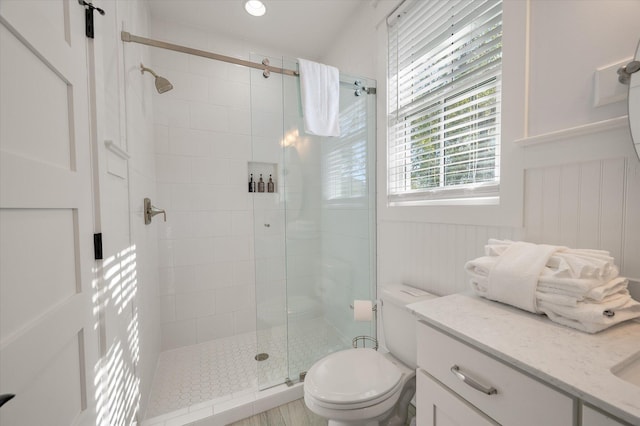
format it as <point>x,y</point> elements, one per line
<point>320,93</point>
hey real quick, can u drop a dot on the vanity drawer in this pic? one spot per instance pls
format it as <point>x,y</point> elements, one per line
<point>438,406</point>
<point>518,398</point>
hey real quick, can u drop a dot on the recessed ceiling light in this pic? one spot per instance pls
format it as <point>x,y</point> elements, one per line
<point>255,7</point>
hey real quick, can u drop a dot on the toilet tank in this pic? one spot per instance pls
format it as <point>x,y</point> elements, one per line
<point>398,323</point>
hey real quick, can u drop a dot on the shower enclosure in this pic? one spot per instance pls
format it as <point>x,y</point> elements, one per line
<point>255,286</point>
<point>314,236</point>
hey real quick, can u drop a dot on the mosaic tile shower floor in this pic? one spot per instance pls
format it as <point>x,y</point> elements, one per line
<point>224,367</point>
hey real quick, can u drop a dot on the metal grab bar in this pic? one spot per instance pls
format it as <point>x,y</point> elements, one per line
<point>488,390</point>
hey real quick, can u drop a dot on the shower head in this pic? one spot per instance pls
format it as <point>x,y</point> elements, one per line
<point>162,84</point>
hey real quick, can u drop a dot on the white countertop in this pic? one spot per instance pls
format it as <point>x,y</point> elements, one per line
<point>576,362</point>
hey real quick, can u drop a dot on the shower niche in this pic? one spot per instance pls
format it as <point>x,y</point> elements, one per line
<point>262,177</point>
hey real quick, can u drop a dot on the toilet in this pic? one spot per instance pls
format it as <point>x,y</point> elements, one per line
<point>365,387</point>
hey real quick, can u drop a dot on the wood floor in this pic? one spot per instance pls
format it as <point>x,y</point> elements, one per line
<point>294,413</point>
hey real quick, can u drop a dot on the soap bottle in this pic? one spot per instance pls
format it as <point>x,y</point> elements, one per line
<point>252,184</point>
<point>270,185</point>
<point>260,184</point>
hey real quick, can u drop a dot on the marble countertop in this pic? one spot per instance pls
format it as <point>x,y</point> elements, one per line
<point>573,361</point>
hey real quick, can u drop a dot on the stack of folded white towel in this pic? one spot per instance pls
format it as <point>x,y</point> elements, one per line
<point>574,287</point>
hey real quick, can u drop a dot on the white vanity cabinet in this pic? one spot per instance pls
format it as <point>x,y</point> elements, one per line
<point>543,373</point>
<point>458,384</point>
<point>593,417</point>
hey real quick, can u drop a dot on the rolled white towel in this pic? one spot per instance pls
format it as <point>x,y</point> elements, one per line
<point>613,286</point>
<point>496,247</point>
<point>480,266</point>
<point>574,288</point>
<point>556,299</point>
<point>581,289</point>
<point>514,277</point>
<point>594,317</point>
<point>589,311</point>
<point>568,263</point>
<point>583,264</point>
<point>572,301</point>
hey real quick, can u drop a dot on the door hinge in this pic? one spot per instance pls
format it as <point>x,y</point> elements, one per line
<point>88,17</point>
<point>97,246</point>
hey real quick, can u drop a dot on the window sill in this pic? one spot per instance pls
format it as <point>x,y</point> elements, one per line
<point>476,201</point>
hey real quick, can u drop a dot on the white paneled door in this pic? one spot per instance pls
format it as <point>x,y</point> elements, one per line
<point>48,340</point>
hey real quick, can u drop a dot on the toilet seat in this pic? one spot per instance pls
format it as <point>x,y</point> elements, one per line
<point>358,378</point>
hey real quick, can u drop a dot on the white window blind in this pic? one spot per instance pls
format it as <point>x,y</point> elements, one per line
<point>444,100</point>
<point>345,158</point>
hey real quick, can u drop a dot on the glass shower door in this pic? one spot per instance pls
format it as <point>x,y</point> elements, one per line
<point>329,189</point>
<point>268,225</point>
<point>314,235</point>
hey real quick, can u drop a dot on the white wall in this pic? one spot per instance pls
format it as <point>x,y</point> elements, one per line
<point>569,40</point>
<point>142,169</point>
<point>202,133</point>
<point>576,189</point>
<point>128,296</point>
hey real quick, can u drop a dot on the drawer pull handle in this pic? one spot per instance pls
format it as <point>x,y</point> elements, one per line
<point>471,382</point>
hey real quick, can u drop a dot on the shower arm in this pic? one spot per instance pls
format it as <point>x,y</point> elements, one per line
<point>149,70</point>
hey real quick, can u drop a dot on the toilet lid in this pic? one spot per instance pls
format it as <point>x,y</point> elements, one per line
<point>352,376</point>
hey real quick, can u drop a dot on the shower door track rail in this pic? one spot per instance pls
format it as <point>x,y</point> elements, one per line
<point>264,66</point>
<point>130,38</point>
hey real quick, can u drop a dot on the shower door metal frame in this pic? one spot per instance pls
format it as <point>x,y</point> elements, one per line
<point>130,38</point>
<point>265,66</point>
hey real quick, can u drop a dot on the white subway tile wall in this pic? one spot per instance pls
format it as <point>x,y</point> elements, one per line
<point>203,143</point>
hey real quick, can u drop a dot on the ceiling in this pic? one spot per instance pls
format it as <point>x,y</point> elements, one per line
<point>301,28</point>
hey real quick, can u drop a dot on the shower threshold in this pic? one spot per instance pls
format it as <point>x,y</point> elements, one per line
<point>230,408</point>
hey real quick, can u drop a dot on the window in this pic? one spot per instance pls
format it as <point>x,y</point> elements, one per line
<point>345,158</point>
<point>444,100</point>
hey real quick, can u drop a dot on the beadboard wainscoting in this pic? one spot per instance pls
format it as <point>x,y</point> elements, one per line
<point>431,256</point>
<point>584,203</point>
